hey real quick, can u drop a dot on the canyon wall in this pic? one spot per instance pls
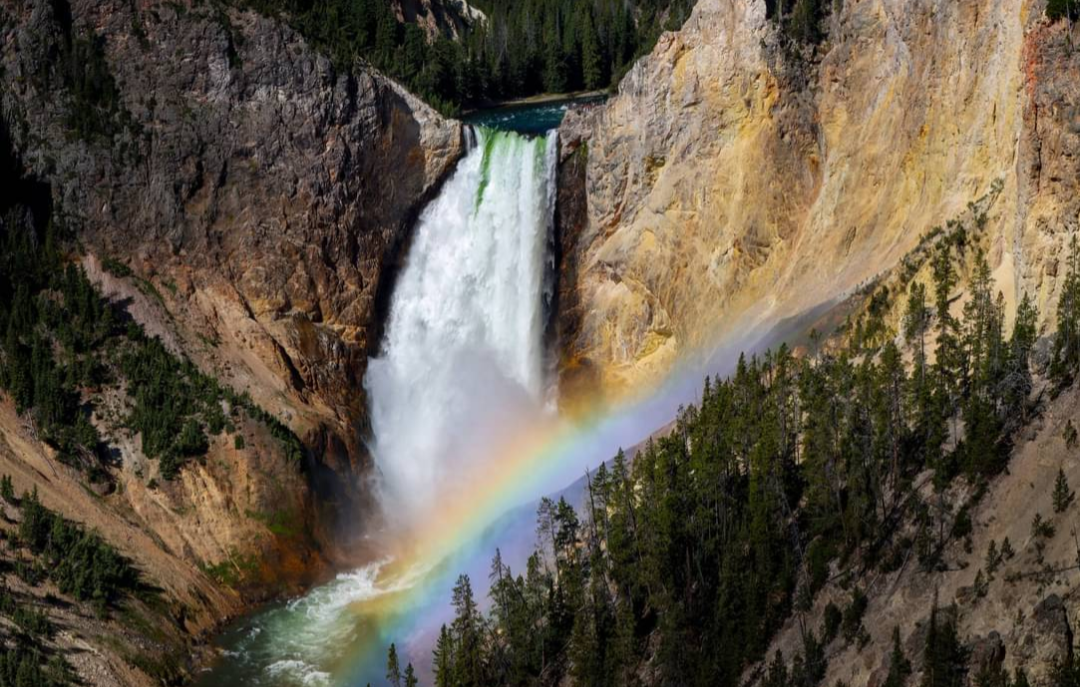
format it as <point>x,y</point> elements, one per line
<point>738,180</point>
<point>262,192</point>
<point>247,202</point>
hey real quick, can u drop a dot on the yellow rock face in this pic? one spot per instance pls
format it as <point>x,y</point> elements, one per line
<point>732,185</point>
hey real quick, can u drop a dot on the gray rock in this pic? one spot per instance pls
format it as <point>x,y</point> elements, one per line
<point>238,163</point>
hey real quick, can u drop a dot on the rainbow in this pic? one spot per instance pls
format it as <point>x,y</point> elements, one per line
<point>545,457</point>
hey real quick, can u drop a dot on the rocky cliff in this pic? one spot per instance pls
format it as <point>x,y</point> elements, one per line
<point>248,204</point>
<point>262,193</point>
<point>739,182</point>
<point>738,179</point>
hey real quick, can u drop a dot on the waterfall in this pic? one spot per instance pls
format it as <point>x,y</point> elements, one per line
<point>462,361</point>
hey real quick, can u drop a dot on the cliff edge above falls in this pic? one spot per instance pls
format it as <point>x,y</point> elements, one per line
<point>737,181</point>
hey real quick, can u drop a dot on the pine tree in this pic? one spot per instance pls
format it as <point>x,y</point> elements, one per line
<point>410,677</point>
<point>985,362</point>
<point>899,665</point>
<point>949,366</point>
<point>777,676</point>
<point>949,356</point>
<point>1066,355</point>
<point>993,558</point>
<point>443,659</point>
<point>929,425</point>
<point>1017,382</point>
<point>944,658</point>
<point>467,634</point>
<point>393,670</point>
<point>1063,495</point>
<point>592,63</point>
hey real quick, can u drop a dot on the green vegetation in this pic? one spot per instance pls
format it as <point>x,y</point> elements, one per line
<point>790,468</point>
<point>800,20</point>
<point>944,658</point>
<point>25,665</point>
<point>524,48</point>
<point>281,523</point>
<point>234,569</point>
<point>51,320</point>
<point>899,665</point>
<point>95,100</point>
<point>79,562</point>
<point>173,404</point>
<point>1041,528</point>
<point>1066,358</point>
<point>1063,9</point>
<point>62,344</point>
<point>1063,495</point>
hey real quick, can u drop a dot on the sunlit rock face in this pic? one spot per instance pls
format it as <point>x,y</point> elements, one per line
<point>733,183</point>
<point>262,191</point>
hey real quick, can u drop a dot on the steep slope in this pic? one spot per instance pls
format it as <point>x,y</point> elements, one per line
<point>230,192</point>
<point>737,180</point>
<point>261,192</point>
<point>1024,616</point>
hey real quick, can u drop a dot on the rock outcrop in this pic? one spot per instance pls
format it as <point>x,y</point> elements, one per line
<point>736,181</point>
<point>247,203</point>
<point>1023,615</point>
<point>436,17</point>
<point>265,195</point>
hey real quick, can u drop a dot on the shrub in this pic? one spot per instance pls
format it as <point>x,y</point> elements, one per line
<point>853,615</point>
<point>833,618</point>
<point>1040,528</point>
<point>993,558</point>
<point>1062,9</point>
<point>1063,495</point>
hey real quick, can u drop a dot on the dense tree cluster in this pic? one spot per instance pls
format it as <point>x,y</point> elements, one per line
<point>715,533</point>
<point>51,319</point>
<point>800,20</point>
<point>78,561</point>
<point>24,662</point>
<point>61,341</point>
<point>523,48</point>
<point>1063,9</point>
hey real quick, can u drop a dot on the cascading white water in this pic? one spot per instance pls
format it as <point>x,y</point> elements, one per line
<point>463,358</point>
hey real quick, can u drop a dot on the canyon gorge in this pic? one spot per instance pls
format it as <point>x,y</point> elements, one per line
<point>269,215</point>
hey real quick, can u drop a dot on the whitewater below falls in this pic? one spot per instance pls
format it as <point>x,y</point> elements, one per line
<point>462,367</point>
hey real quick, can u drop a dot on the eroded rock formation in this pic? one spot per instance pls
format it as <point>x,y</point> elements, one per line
<point>263,192</point>
<point>736,181</point>
<point>261,200</point>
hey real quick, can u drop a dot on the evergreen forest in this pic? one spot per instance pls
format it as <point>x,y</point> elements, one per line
<point>522,48</point>
<point>689,557</point>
